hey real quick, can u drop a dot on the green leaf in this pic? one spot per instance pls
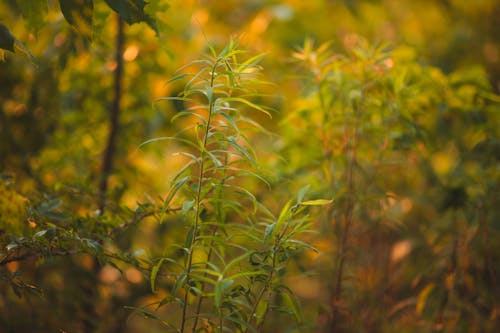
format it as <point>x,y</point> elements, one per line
<point>177,185</point>
<point>187,206</point>
<point>169,138</point>
<point>244,152</point>
<point>261,310</point>
<point>235,261</point>
<point>302,244</point>
<point>317,202</point>
<point>154,273</point>
<point>248,103</point>
<point>34,11</point>
<point>220,289</point>
<point>285,214</point>
<point>6,39</point>
<point>178,77</point>
<point>302,193</point>
<point>79,13</point>
<point>132,11</point>
<point>292,305</point>
<point>269,232</point>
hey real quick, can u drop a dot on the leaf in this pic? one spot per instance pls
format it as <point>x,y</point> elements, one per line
<point>34,11</point>
<point>248,103</point>
<point>302,244</point>
<point>154,273</point>
<point>220,289</point>
<point>235,261</point>
<point>79,13</point>
<point>149,314</point>
<point>132,11</point>
<point>6,39</point>
<point>177,185</point>
<point>10,43</point>
<point>178,77</point>
<point>187,206</point>
<point>317,202</point>
<point>261,310</point>
<point>242,150</point>
<point>422,297</point>
<point>269,232</point>
<point>292,305</point>
<point>169,138</point>
<point>302,193</point>
<point>285,214</point>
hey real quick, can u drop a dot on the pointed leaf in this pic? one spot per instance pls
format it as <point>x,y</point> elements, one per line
<point>248,103</point>
<point>6,39</point>
<point>132,11</point>
<point>220,289</point>
<point>173,190</point>
<point>302,193</point>
<point>187,206</point>
<point>269,232</point>
<point>154,273</point>
<point>317,202</point>
<point>79,13</point>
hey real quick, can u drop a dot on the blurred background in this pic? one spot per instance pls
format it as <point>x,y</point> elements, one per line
<point>423,250</point>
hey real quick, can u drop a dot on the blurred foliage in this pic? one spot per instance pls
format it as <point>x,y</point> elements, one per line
<point>402,131</point>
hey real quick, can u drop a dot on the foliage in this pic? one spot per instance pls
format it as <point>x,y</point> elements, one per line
<point>201,226</point>
<point>229,273</point>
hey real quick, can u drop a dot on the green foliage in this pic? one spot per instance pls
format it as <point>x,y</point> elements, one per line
<point>377,138</point>
<point>204,222</point>
<point>78,13</point>
<point>235,253</point>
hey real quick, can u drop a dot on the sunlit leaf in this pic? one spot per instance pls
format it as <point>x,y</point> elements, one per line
<point>317,202</point>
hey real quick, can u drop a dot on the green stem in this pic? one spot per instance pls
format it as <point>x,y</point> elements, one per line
<point>269,280</point>
<point>210,246</point>
<point>198,198</point>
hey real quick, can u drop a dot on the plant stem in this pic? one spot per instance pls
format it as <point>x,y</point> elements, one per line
<point>210,250</point>
<point>450,275</point>
<point>348,220</point>
<point>198,198</point>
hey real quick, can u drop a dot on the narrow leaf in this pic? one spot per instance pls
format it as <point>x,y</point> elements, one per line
<point>318,202</point>
<point>173,190</point>
<point>220,289</point>
<point>248,103</point>
<point>154,273</point>
<point>302,193</point>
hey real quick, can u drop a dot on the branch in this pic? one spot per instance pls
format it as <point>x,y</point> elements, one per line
<point>34,255</point>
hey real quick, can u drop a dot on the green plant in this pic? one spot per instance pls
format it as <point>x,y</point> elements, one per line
<point>229,272</point>
<point>380,128</point>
